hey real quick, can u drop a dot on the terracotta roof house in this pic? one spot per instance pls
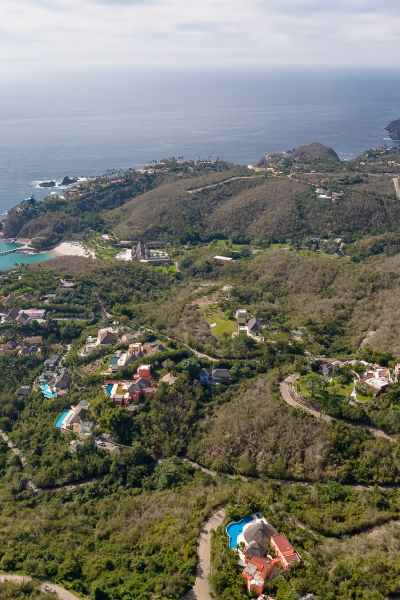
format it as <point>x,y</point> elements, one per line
<point>284,550</point>
<point>136,390</point>
<point>258,571</point>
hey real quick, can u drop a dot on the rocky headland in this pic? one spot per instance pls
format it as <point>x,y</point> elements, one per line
<point>394,130</point>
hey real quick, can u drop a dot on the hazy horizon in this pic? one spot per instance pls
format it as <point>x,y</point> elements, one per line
<point>64,35</point>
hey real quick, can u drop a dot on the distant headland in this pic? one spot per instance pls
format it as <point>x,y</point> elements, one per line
<point>394,130</point>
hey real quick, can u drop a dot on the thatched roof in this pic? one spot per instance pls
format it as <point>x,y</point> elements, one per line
<point>255,549</point>
<point>259,532</point>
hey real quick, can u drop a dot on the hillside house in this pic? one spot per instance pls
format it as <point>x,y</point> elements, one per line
<point>377,380</point>
<point>254,326</point>
<point>258,571</point>
<point>8,316</point>
<point>144,371</point>
<point>53,362</point>
<point>86,430</point>
<point>151,348</point>
<point>24,390</point>
<point>63,379</point>
<point>106,337</point>
<point>215,376</point>
<point>33,340</point>
<point>250,544</point>
<point>285,551</point>
<point>11,346</point>
<point>326,370</point>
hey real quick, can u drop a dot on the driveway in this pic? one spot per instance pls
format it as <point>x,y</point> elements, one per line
<point>201,588</point>
<point>61,592</point>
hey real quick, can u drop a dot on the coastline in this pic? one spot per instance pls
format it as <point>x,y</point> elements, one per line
<point>70,249</point>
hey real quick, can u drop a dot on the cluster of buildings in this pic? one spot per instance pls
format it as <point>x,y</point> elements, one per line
<point>56,379</point>
<point>129,393</point>
<point>251,327</point>
<point>28,345</point>
<point>375,378</point>
<point>135,351</point>
<point>249,539</point>
<point>142,253</point>
<point>328,194</point>
<point>23,317</point>
<point>104,336</point>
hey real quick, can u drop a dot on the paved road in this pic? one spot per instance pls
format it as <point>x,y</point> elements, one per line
<point>201,589</point>
<point>396,186</point>
<point>61,592</point>
<point>287,385</point>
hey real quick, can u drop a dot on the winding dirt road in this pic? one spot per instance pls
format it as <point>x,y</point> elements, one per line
<point>201,588</point>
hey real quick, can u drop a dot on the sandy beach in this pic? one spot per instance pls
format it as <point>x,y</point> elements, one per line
<point>68,249</point>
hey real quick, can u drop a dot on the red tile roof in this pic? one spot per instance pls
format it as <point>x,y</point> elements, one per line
<point>283,544</point>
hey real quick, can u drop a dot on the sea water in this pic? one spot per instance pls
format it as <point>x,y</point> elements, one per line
<point>85,123</point>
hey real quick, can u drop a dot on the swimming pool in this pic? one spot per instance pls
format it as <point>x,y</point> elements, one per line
<point>61,418</point>
<point>109,388</point>
<point>235,529</point>
<point>46,390</point>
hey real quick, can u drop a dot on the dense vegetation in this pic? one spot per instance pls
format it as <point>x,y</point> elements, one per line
<point>329,270</point>
<point>189,202</point>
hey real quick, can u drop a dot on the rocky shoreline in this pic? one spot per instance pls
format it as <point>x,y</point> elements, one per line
<point>394,130</point>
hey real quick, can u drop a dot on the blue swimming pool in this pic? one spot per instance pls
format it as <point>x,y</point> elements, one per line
<point>46,390</point>
<point>109,388</point>
<point>234,529</point>
<point>61,418</point>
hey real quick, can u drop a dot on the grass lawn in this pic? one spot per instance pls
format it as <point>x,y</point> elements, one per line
<point>232,246</point>
<point>223,325</point>
<point>338,391</point>
<point>159,371</point>
<point>170,269</point>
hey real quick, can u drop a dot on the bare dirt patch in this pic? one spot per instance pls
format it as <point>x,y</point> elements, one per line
<point>206,300</point>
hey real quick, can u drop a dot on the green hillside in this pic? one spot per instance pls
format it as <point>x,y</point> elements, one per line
<point>182,202</point>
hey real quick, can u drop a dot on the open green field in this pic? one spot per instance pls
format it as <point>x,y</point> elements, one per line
<point>170,269</point>
<point>337,391</point>
<point>223,325</point>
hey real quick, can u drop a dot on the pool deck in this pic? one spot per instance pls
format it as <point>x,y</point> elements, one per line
<point>253,518</point>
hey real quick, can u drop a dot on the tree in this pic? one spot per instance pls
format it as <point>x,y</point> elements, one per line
<point>191,366</point>
<point>313,382</point>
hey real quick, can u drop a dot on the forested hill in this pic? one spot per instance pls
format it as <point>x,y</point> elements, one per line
<point>305,194</point>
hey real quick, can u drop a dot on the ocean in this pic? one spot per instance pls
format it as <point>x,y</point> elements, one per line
<point>83,124</point>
